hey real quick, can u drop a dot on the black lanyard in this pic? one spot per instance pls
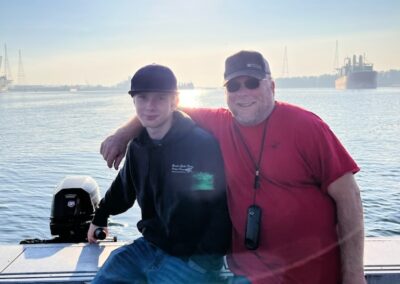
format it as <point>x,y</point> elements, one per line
<point>256,184</point>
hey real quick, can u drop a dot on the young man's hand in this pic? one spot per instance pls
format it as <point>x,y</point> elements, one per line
<point>90,235</point>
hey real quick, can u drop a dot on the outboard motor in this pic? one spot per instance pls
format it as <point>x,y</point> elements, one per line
<point>75,200</point>
<point>74,203</point>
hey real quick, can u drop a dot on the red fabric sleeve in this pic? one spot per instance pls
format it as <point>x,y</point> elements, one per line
<point>325,155</point>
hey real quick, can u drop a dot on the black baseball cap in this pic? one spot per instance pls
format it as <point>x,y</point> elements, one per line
<point>246,63</point>
<point>153,78</point>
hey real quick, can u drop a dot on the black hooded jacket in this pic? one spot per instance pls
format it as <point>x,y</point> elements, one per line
<point>179,184</point>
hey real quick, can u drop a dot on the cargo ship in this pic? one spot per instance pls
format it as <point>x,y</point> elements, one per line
<point>4,83</point>
<point>356,75</point>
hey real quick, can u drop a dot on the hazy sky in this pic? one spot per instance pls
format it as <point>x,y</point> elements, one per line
<point>105,42</point>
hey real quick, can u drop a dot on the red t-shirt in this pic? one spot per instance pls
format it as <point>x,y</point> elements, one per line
<point>301,158</point>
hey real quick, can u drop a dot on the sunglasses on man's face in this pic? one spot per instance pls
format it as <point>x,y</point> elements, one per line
<point>250,83</point>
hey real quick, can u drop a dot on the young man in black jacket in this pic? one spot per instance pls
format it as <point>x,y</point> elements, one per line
<point>174,170</point>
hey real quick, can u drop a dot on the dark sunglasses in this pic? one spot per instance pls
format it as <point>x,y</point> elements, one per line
<point>250,83</point>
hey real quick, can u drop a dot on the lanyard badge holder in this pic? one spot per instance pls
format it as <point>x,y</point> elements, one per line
<point>252,234</point>
<point>253,223</point>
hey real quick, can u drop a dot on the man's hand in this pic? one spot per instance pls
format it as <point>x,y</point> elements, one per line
<point>90,235</point>
<point>113,150</point>
<point>114,146</point>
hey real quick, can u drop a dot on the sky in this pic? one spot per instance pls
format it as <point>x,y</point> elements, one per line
<point>105,42</point>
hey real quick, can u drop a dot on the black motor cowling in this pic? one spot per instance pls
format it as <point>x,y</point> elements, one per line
<point>75,200</point>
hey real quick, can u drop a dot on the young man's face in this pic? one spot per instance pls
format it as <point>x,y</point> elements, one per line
<point>154,109</point>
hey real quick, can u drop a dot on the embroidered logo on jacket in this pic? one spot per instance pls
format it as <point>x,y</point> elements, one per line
<point>181,169</point>
<point>203,181</point>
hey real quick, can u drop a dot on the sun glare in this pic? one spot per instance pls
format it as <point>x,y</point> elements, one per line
<point>189,98</point>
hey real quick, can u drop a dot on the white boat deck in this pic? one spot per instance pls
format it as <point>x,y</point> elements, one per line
<point>78,263</point>
<point>53,262</point>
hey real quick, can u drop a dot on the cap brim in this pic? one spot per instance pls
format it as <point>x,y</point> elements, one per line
<point>251,73</point>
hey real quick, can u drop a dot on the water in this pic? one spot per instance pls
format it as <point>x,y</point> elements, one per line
<point>46,136</point>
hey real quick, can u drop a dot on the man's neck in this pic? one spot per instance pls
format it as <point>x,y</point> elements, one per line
<point>155,134</point>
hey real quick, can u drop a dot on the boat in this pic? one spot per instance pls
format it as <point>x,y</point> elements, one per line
<point>3,83</point>
<point>185,86</point>
<point>79,262</point>
<point>356,74</point>
<point>68,258</point>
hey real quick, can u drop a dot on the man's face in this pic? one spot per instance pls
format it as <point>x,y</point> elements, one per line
<point>154,109</point>
<point>250,104</point>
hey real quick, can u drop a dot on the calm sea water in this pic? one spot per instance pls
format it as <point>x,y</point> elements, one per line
<point>47,136</point>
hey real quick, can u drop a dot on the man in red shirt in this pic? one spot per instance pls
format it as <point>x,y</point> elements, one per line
<point>294,203</point>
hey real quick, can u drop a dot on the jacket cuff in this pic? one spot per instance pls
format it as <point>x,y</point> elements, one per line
<point>100,218</point>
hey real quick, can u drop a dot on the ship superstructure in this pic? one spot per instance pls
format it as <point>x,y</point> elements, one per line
<point>356,74</point>
<point>5,77</point>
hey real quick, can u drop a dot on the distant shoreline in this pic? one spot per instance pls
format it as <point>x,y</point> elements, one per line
<point>390,79</point>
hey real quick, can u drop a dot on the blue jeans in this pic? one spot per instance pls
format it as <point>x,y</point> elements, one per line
<point>143,262</point>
